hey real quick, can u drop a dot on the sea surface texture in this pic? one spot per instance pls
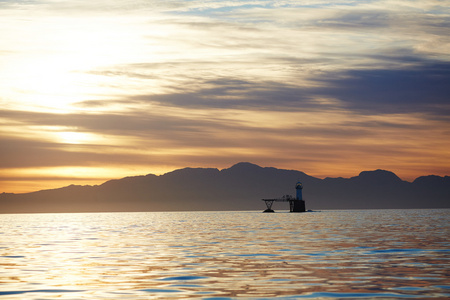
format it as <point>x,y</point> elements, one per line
<point>356,254</point>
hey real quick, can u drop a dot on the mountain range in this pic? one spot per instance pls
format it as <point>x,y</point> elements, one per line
<point>240,187</point>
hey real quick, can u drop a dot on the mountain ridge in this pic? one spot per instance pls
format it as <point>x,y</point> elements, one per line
<point>235,188</point>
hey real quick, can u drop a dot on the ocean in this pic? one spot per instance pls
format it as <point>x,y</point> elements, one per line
<point>335,254</point>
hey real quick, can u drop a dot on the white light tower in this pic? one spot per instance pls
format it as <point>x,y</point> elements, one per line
<point>299,187</point>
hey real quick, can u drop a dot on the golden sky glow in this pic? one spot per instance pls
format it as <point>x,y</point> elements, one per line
<point>96,90</point>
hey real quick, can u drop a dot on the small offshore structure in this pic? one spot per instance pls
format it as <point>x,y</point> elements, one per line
<point>296,204</point>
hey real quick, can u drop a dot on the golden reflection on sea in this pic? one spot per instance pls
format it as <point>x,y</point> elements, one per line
<point>328,254</point>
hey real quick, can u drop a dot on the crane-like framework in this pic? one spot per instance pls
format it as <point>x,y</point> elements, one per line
<point>295,204</point>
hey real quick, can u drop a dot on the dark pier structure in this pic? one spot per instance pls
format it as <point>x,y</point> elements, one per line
<point>296,204</point>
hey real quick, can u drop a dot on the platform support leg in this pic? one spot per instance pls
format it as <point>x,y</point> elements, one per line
<point>269,204</point>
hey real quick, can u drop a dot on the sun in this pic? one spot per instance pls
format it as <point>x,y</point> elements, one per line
<point>61,60</point>
<point>72,137</point>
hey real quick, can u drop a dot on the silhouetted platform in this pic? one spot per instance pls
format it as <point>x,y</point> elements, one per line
<point>295,205</point>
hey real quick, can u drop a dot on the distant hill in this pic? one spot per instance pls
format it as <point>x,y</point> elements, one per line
<point>239,187</point>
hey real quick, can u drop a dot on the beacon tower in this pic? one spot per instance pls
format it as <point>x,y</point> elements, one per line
<point>299,188</point>
<point>298,205</point>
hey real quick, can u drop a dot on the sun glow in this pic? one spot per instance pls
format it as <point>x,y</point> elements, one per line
<point>71,137</point>
<point>58,58</point>
<point>24,180</point>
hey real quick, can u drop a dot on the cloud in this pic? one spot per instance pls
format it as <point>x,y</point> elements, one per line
<point>227,93</point>
<point>32,153</point>
<point>143,123</point>
<point>424,88</point>
<point>356,20</point>
<point>412,85</point>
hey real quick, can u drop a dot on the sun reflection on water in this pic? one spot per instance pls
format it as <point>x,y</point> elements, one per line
<point>334,254</point>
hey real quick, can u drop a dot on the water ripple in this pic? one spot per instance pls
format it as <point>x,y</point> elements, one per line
<point>354,295</point>
<point>161,291</point>
<point>183,278</point>
<point>2,293</point>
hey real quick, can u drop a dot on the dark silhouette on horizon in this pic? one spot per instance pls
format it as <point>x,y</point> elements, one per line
<point>240,187</point>
<point>296,204</point>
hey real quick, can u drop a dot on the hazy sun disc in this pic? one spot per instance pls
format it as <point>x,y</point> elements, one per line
<point>72,137</point>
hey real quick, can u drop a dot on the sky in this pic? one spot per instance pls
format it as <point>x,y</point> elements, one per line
<point>97,90</point>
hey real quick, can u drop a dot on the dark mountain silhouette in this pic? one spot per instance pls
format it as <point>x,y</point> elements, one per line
<point>239,187</point>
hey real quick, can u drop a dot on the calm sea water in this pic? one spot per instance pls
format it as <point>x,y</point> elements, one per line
<point>210,255</point>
